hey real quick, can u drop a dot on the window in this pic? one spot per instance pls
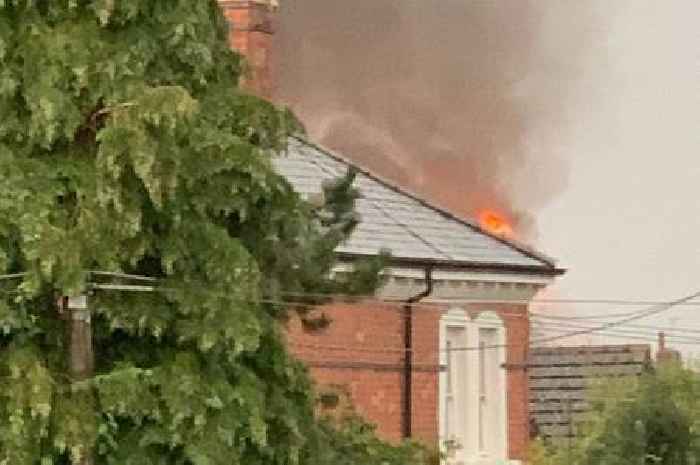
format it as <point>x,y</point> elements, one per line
<point>489,389</point>
<point>449,394</point>
<point>472,387</point>
<point>483,404</point>
<point>455,425</point>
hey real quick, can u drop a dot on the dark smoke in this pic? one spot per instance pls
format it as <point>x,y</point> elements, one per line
<point>454,98</point>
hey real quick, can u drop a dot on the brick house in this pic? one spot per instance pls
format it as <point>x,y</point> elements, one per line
<point>440,353</point>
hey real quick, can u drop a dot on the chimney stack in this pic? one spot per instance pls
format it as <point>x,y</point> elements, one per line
<point>251,30</point>
<point>664,354</point>
<point>662,341</point>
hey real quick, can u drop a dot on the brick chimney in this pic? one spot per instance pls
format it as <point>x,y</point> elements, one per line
<point>664,354</point>
<point>251,26</point>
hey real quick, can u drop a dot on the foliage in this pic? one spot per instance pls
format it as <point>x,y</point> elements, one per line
<point>126,145</point>
<point>353,441</point>
<point>652,420</point>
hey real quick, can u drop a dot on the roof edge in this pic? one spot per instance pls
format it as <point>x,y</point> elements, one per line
<point>517,245</point>
<point>463,265</point>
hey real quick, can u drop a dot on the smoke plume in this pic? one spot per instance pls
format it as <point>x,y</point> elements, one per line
<point>461,100</point>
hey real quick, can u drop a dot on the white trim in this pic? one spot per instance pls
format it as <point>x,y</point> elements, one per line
<point>491,320</point>
<point>453,318</point>
<point>466,276</point>
<point>470,454</point>
<point>458,293</point>
<point>458,301</point>
<point>123,287</point>
<point>78,302</point>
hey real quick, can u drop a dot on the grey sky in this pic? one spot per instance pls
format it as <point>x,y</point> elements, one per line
<point>628,224</point>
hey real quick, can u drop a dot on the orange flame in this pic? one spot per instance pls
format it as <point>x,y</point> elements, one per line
<point>496,223</point>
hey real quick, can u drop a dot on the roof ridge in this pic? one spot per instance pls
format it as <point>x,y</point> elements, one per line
<point>514,244</point>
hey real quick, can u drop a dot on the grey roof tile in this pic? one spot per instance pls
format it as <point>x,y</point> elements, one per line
<point>392,219</point>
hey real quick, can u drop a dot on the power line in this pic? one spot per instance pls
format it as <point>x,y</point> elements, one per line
<point>423,352</point>
<point>115,274</point>
<point>600,316</point>
<point>587,330</point>
<point>9,291</point>
<point>644,314</point>
<point>640,315</point>
<point>347,348</point>
<point>395,305</point>
<point>8,277</point>
<point>562,327</point>
<point>329,295</point>
<point>620,332</point>
<point>343,348</point>
<point>441,305</point>
<point>556,319</point>
<point>613,302</point>
<point>640,337</point>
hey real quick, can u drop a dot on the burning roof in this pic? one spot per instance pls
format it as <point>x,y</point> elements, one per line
<point>410,227</point>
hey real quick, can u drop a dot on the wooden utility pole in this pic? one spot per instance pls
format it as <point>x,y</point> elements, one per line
<point>571,429</point>
<point>81,357</point>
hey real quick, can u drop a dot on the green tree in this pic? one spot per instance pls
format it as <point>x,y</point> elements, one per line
<point>126,145</point>
<point>652,420</point>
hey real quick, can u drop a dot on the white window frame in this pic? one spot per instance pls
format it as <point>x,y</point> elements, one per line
<point>470,453</point>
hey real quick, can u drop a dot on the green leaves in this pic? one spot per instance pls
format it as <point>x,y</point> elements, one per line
<point>129,140</point>
<point>354,441</point>
<point>26,389</point>
<point>103,10</point>
<point>650,420</point>
<point>125,145</point>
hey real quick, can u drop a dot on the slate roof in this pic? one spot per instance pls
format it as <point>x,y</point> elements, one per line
<point>560,378</point>
<point>410,227</point>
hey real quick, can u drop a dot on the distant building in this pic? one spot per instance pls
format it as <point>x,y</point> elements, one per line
<point>560,378</point>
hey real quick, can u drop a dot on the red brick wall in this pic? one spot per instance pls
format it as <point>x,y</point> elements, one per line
<point>251,33</point>
<point>425,380</point>
<point>518,336</point>
<point>362,350</point>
